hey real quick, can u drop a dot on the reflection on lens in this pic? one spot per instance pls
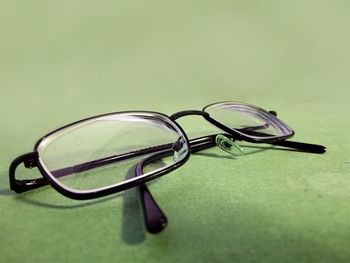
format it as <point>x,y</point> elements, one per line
<point>248,120</point>
<point>103,151</point>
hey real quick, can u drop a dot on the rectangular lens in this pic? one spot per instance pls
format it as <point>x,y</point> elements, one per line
<point>104,151</point>
<point>249,120</point>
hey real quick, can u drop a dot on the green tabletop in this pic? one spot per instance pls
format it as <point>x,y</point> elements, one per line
<point>61,61</point>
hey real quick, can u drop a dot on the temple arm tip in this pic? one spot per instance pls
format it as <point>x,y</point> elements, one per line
<point>155,219</point>
<point>323,149</point>
<point>157,226</point>
<point>304,147</point>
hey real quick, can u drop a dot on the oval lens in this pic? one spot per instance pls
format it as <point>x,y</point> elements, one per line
<point>249,120</point>
<point>103,151</point>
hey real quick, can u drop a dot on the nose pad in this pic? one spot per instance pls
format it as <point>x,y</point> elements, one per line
<point>228,145</point>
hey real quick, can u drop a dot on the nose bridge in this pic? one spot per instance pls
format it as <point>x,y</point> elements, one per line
<point>206,117</point>
<point>184,113</point>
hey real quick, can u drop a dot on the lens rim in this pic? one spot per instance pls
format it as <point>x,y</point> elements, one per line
<point>130,183</point>
<point>244,136</point>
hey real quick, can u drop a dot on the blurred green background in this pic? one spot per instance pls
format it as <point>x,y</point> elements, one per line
<point>64,60</point>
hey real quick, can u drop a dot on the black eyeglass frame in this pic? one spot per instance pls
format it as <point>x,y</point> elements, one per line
<point>32,159</point>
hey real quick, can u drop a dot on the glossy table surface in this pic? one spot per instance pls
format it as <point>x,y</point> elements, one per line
<point>63,61</point>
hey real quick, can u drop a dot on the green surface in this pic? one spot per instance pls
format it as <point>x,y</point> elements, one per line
<point>62,61</point>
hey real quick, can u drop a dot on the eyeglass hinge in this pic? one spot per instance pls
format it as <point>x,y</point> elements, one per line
<point>273,113</point>
<point>31,160</point>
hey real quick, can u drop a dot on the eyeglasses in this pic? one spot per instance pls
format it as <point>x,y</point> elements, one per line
<point>113,152</point>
